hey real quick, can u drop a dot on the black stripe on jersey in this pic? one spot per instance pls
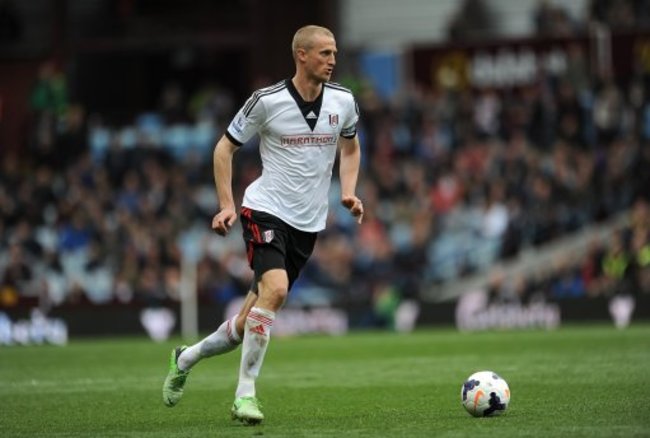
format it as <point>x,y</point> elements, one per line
<point>350,136</point>
<point>261,93</point>
<point>262,90</point>
<point>232,139</point>
<point>337,86</point>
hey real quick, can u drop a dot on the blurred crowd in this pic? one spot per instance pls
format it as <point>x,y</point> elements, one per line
<point>453,181</point>
<point>477,20</point>
<point>618,265</point>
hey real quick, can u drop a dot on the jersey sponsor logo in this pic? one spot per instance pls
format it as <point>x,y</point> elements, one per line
<point>308,140</point>
<point>334,120</point>
<point>238,123</point>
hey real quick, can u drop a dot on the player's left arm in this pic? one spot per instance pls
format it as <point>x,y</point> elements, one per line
<point>350,161</point>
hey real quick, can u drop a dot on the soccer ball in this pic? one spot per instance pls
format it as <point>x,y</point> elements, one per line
<point>485,393</point>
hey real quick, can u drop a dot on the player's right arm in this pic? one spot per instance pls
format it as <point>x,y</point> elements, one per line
<point>222,169</point>
<point>241,129</point>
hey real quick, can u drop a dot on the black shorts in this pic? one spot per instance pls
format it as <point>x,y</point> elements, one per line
<point>271,243</point>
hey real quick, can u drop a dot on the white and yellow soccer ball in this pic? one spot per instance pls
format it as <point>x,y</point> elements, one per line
<point>485,393</point>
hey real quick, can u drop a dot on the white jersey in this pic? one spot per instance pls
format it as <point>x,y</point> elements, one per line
<point>298,143</point>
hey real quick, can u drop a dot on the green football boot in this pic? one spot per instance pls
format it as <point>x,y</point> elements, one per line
<point>247,410</point>
<point>173,387</point>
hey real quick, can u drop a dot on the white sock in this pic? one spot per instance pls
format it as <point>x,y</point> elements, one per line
<point>223,340</point>
<point>257,335</point>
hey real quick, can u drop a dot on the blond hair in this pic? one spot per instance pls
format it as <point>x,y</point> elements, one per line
<point>304,37</point>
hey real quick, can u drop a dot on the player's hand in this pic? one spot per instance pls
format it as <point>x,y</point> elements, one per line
<point>355,206</point>
<point>222,221</point>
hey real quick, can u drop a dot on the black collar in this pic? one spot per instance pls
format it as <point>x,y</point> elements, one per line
<point>310,110</point>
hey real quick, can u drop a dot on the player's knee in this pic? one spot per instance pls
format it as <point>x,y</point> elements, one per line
<point>278,295</point>
<point>273,297</point>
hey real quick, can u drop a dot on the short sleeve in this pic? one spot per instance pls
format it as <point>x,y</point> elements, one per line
<point>350,127</point>
<point>247,121</point>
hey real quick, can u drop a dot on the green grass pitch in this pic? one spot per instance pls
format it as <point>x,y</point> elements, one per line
<point>578,381</point>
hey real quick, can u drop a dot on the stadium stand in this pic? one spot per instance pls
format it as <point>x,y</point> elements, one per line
<point>453,183</point>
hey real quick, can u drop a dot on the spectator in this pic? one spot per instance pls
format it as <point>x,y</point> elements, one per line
<point>49,94</point>
<point>453,182</point>
<point>616,266</point>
